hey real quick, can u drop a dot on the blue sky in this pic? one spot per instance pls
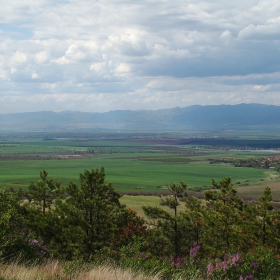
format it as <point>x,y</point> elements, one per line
<point>97,56</point>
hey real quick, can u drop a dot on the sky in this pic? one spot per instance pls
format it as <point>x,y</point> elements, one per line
<point>98,56</point>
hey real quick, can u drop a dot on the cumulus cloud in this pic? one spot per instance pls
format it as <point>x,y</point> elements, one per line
<point>226,35</point>
<point>105,55</point>
<point>130,43</point>
<point>268,31</point>
<point>41,57</point>
<point>122,68</point>
<point>18,58</point>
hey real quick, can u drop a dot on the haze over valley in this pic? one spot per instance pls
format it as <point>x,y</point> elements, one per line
<point>253,117</point>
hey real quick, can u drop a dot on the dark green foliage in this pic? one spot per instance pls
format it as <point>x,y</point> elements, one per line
<point>194,217</point>
<point>44,192</point>
<point>277,168</point>
<point>96,209</point>
<point>222,216</point>
<point>262,263</point>
<point>227,194</point>
<point>16,239</point>
<point>169,223</point>
<point>67,226</point>
<point>266,217</point>
<point>89,218</point>
<point>219,238</point>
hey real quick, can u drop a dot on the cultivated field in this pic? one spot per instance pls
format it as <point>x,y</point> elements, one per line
<point>141,163</point>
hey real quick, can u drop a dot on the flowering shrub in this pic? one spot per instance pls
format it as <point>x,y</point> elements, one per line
<point>38,248</point>
<point>194,250</point>
<point>226,267</point>
<point>24,246</point>
<point>260,264</point>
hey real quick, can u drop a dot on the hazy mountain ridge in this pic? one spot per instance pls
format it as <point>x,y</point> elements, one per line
<point>242,116</point>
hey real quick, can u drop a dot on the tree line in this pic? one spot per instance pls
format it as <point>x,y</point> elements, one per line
<point>220,235</point>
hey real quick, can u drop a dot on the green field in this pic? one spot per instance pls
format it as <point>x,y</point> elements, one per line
<point>125,174</point>
<point>136,203</point>
<point>132,165</point>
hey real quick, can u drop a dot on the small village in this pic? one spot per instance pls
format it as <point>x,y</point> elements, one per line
<point>263,162</point>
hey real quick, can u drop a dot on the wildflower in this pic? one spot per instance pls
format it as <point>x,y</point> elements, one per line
<point>210,269</point>
<point>194,250</point>
<point>34,241</point>
<point>234,258</point>
<point>254,265</point>
<point>178,262</point>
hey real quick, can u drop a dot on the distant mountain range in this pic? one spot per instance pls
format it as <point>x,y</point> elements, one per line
<point>218,117</point>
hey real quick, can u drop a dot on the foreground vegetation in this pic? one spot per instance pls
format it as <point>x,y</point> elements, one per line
<point>220,237</point>
<point>55,270</point>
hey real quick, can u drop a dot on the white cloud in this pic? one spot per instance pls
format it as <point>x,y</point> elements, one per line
<point>18,58</point>
<point>271,30</point>
<point>98,67</point>
<point>226,35</point>
<point>103,55</point>
<point>262,88</point>
<point>48,86</point>
<point>122,68</point>
<point>41,57</point>
<point>72,55</point>
<point>132,42</point>
<point>34,75</point>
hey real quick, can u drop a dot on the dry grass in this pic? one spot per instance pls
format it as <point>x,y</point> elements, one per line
<point>54,271</point>
<point>255,191</point>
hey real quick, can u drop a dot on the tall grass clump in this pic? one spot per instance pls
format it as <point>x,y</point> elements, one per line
<point>54,270</point>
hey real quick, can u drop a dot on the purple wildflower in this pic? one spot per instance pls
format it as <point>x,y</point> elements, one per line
<point>254,265</point>
<point>178,262</point>
<point>210,269</point>
<point>194,250</point>
<point>33,241</point>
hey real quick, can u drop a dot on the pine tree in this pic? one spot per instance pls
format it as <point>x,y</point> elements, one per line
<point>163,220</point>
<point>265,215</point>
<point>195,218</point>
<point>96,207</point>
<point>44,192</point>
<point>222,215</point>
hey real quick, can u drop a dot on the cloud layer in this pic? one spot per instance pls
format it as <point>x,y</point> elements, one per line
<point>105,55</point>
